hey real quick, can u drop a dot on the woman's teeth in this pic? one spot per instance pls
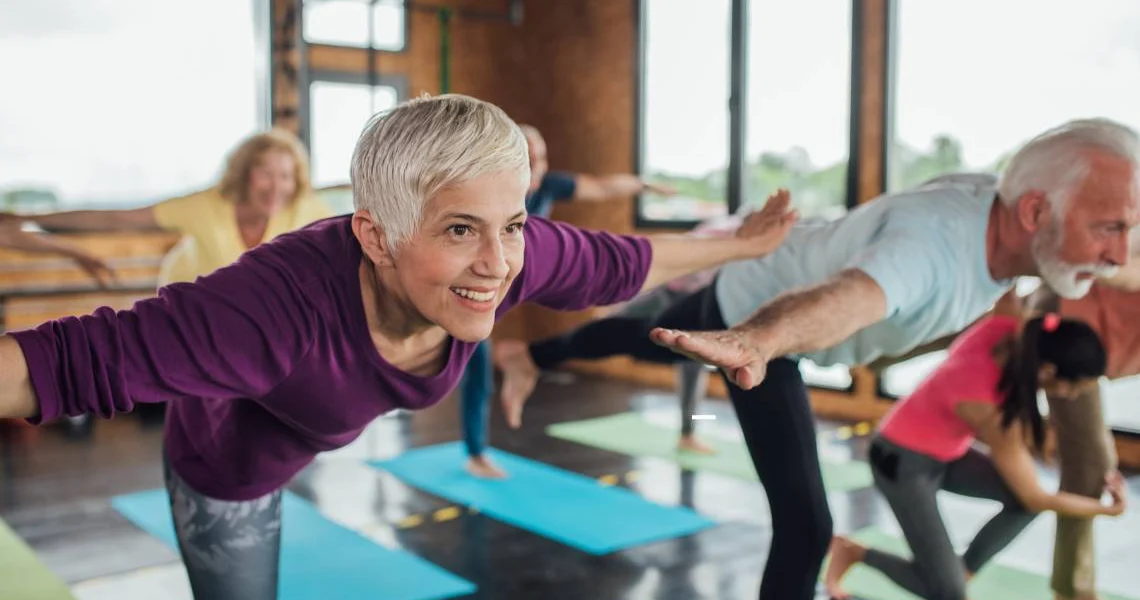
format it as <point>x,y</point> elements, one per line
<point>473,295</point>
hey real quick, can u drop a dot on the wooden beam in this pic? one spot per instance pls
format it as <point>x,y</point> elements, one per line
<point>1128,450</point>
<point>287,69</point>
<point>355,60</point>
<point>873,72</point>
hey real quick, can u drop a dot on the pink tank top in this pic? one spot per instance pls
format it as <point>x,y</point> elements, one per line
<point>926,421</point>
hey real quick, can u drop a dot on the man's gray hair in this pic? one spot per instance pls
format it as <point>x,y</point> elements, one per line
<point>410,153</point>
<point>1059,159</point>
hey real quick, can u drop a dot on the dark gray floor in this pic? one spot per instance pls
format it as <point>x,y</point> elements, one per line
<point>55,487</point>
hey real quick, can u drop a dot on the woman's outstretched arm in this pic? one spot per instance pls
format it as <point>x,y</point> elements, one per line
<point>1015,464</point>
<point>234,334</point>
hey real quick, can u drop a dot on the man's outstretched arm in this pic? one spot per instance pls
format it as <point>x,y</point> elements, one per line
<point>800,321</point>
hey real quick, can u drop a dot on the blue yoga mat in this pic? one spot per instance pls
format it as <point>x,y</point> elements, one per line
<point>320,559</point>
<point>560,505</point>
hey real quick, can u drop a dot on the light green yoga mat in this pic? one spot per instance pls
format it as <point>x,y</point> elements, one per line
<point>629,433</point>
<point>22,575</point>
<point>994,582</point>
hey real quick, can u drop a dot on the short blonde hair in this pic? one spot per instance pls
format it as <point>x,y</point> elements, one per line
<point>243,159</point>
<point>406,155</point>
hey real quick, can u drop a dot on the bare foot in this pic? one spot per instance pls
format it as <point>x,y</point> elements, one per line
<point>481,466</point>
<point>844,555</point>
<point>520,375</point>
<point>691,443</point>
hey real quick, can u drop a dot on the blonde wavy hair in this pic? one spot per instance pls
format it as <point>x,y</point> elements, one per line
<point>243,159</point>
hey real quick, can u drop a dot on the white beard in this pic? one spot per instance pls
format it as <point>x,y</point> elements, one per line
<point>1063,278</point>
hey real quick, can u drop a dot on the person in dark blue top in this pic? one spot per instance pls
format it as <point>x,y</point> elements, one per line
<point>546,188</point>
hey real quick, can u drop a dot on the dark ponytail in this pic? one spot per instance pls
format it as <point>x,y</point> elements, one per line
<point>1072,347</point>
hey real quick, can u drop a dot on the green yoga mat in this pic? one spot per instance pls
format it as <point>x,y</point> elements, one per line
<point>22,575</point>
<point>629,433</point>
<point>994,582</point>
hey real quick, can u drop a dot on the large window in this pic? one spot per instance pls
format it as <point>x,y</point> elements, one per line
<point>799,103</point>
<point>338,110</point>
<point>123,102</point>
<point>797,81</point>
<point>684,107</point>
<point>794,103</point>
<point>381,24</point>
<point>967,103</point>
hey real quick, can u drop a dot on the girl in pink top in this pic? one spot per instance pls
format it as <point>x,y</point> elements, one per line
<point>985,390</point>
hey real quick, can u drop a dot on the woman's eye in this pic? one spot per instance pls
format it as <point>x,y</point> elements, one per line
<point>460,230</point>
<point>515,227</point>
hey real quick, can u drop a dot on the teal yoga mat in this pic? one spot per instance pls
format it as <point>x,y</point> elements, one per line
<point>319,558</point>
<point>567,507</point>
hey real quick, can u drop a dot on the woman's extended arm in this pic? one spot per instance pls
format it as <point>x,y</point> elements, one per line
<point>138,219</point>
<point>1015,464</point>
<point>233,334</point>
<point>11,236</point>
<point>683,254</point>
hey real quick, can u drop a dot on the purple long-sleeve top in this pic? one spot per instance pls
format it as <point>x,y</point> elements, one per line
<point>269,361</point>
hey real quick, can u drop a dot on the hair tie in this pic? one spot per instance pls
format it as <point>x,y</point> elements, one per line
<point>1050,322</point>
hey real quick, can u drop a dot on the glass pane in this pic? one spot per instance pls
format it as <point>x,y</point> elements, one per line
<point>1122,402</point>
<point>345,23</point>
<point>835,376</point>
<point>901,379</point>
<point>123,104</point>
<point>388,21</point>
<point>685,107</point>
<point>338,113</point>
<point>799,78</point>
<point>971,107</point>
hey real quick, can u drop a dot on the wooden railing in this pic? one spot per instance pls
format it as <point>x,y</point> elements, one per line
<point>35,288</point>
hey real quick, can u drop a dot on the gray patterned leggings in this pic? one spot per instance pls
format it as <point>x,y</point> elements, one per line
<point>231,549</point>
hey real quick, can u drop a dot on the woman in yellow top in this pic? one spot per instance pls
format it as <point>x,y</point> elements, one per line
<point>263,193</point>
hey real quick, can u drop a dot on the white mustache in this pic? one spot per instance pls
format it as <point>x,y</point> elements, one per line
<point>1098,270</point>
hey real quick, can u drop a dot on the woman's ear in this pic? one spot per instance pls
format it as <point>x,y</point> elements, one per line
<point>372,239</point>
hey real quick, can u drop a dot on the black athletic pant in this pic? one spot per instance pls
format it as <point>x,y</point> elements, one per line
<point>778,427</point>
<point>622,336</point>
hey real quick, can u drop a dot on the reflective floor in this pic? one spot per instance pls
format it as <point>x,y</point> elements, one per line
<point>55,485</point>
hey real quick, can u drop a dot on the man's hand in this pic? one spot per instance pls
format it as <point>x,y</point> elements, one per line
<point>742,359</point>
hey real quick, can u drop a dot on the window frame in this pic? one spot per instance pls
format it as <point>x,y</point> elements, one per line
<point>738,114</point>
<point>407,25</point>
<point>399,82</point>
<point>738,111</point>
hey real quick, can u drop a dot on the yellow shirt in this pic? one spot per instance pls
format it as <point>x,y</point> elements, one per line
<point>211,238</point>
